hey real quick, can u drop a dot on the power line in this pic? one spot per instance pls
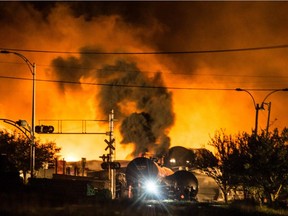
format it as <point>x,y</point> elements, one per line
<point>135,86</point>
<point>283,46</point>
<point>165,73</point>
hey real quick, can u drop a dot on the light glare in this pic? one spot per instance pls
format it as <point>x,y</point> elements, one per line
<point>172,160</point>
<point>151,187</point>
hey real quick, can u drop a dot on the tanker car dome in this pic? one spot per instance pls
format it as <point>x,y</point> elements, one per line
<point>179,157</point>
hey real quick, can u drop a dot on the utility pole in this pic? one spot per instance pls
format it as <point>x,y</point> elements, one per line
<point>268,118</point>
<point>108,159</point>
<point>111,148</point>
<point>261,106</point>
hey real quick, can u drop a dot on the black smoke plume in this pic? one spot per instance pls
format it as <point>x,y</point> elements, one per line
<point>147,123</point>
<point>146,127</point>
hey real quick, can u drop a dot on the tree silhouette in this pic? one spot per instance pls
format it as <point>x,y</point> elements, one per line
<point>267,162</point>
<point>217,165</point>
<point>257,164</point>
<point>16,148</point>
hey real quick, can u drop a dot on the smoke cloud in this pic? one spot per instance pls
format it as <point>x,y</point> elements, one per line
<point>147,122</point>
<point>149,119</point>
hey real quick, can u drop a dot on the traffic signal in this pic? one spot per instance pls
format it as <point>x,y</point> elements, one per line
<point>44,129</point>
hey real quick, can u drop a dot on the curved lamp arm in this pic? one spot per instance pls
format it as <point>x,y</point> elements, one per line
<point>16,124</point>
<point>239,89</point>
<point>285,89</point>
<point>29,64</point>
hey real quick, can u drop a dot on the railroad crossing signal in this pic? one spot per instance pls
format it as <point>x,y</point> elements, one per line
<point>110,144</point>
<point>105,158</point>
<point>107,164</point>
<point>113,165</point>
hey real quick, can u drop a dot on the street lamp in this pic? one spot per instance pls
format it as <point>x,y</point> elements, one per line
<point>22,125</point>
<point>261,106</point>
<point>32,68</point>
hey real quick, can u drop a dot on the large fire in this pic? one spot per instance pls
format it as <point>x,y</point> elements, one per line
<point>196,97</point>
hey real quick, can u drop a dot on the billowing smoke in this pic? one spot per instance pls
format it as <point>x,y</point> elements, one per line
<point>141,103</point>
<point>145,114</point>
<point>151,106</point>
<point>73,68</point>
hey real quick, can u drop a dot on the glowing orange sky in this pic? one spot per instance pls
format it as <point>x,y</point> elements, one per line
<point>193,26</point>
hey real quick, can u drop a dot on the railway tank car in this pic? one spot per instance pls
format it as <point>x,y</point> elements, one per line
<point>147,179</point>
<point>179,157</point>
<point>184,185</point>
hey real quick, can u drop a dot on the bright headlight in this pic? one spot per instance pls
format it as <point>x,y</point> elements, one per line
<point>151,187</point>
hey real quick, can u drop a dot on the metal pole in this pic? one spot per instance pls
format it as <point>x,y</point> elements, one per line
<point>111,171</point>
<point>32,68</point>
<point>33,121</point>
<point>257,107</point>
<point>256,120</point>
<point>268,118</point>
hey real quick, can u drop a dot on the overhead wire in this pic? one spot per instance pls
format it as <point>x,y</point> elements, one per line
<point>165,73</point>
<point>281,46</point>
<point>151,53</point>
<point>136,86</point>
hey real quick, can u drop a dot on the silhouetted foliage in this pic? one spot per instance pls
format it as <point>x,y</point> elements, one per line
<point>16,148</point>
<point>267,164</point>
<point>256,164</point>
<point>217,165</point>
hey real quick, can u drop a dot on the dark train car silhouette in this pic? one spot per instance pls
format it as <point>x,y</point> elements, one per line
<point>147,179</point>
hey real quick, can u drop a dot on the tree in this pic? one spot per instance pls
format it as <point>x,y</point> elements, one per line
<point>267,165</point>
<point>238,163</point>
<point>16,147</point>
<point>218,166</point>
<point>256,163</point>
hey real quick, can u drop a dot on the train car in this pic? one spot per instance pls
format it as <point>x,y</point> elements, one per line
<point>179,157</point>
<point>147,179</point>
<point>184,185</point>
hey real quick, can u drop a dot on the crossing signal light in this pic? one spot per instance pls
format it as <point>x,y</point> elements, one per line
<point>113,165</point>
<point>105,165</point>
<point>44,129</point>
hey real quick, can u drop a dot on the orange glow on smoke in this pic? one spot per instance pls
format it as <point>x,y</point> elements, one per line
<point>198,113</point>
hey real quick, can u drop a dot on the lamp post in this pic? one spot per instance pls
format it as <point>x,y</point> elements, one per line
<point>261,106</point>
<point>32,68</point>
